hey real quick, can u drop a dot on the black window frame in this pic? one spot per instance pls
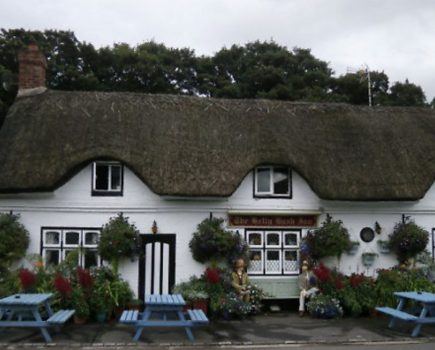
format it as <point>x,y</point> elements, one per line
<point>288,195</point>
<point>62,246</point>
<point>107,193</point>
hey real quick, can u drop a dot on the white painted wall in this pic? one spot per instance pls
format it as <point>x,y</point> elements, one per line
<point>72,205</point>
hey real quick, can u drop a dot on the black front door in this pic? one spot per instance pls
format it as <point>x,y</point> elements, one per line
<point>157,264</point>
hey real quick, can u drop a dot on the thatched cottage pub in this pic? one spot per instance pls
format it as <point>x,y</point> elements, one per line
<point>71,160</point>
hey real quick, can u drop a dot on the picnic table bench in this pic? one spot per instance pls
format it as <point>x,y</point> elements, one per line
<point>164,305</point>
<point>427,312</point>
<point>22,306</point>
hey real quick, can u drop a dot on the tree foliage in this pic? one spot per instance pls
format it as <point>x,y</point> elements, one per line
<point>14,240</point>
<point>254,70</point>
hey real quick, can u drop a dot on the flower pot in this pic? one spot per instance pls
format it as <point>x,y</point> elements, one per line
<point>368,259</point>
<point>80,319</point>
<point>383,247</point>
<point>201,304</point>
<point>326,313</point>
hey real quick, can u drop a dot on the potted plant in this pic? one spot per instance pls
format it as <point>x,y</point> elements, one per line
<point>120,295</point>
<point>80,305</point>
<point>14,240</point>
<point>353,247</point>
<point>118,239</point>
<point>194,293</point>
<point>384,246</point>
<point>368,258</point>
<point>408,240</point>
<point>233,306</point>
<point>135,304</point>
<point>324,306</point>
<point>331,239</point>
<point>212,243</point>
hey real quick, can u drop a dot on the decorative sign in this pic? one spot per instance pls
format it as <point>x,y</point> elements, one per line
<point>273,220</point>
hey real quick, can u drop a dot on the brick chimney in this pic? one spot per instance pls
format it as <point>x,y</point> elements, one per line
<point>32,66</point>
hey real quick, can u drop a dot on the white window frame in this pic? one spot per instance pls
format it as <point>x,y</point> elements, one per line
<point>253,272</point>
<point>271,193</point>
<point>291,245</point>
<point>275,246</point>
<point>248,233</point>
<point>62,247</point>
<point>51,245</point>
<point>273,272</point>
<point>74,246</point>
<point>290,272</point>
<point>281,247</point>
<point>109,174</point>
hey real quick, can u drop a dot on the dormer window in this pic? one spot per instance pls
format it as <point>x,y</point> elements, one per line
<point>272,181</point>
<point>107,179</point>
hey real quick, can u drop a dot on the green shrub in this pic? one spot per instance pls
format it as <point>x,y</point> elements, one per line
<point>14,240</point>
<point>408,240</point>
<point>331,239</point>
<point>211,242</point>
<point>118,239</point>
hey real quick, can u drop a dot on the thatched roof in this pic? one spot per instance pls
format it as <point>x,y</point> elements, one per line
<point>193,146</point>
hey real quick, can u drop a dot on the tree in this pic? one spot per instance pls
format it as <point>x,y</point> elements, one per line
<point>264,70</point>
<point>406,94</point>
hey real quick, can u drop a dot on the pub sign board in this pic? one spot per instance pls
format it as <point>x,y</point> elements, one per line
<point>245,220</point>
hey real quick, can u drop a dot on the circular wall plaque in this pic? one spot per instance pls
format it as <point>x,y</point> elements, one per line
<point>367,234</point>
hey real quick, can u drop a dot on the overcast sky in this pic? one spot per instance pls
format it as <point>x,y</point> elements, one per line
<point>396,36</point>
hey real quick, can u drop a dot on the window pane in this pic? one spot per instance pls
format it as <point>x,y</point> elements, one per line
<point>52,237</point>
<point>273,239</point>
<point>273,255</point>
<point>273,261</point>
<point>280,181</point>
<point>91,238</point>
<point>291,239</point>
<point>72,238</point>
<point>263,180</point>
<point>291,261</point>
<point>255,239</point>
<point>256,261</point>
<point>72,256</point>
<point>101,177</point>
<point>52,257</point>
<point>116,178</point>
<point>91,258</point>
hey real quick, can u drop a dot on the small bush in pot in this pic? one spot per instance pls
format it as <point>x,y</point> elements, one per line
<point>324,306</point>
<point>331,239</point>
<point>80,305</point>
<point>118,239</point>
<point>408,240</point>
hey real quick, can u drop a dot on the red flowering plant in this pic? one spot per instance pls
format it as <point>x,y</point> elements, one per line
<point>84,278</point>
<point>28,280</point>
<point>63,287</point>
<point>212,275</point>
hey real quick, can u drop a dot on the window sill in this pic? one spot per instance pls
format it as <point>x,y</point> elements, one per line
<point>107,193</point>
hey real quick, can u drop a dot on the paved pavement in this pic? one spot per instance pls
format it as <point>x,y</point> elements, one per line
<point>282,330</point>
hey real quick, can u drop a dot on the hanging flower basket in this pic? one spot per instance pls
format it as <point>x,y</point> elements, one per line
<point>368,259</point>
<point>384,247</point>
<point>353,248</point>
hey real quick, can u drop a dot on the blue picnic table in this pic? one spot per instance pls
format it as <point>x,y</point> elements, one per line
<point>164,306</point>
<point>426,315</point>
<point>15,310</point>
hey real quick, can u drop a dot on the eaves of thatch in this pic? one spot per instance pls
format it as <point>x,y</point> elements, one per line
<point>191,146</point>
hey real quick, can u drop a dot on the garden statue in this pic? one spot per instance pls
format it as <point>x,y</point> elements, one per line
<point>240,281</point>
<point>307,283</point>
